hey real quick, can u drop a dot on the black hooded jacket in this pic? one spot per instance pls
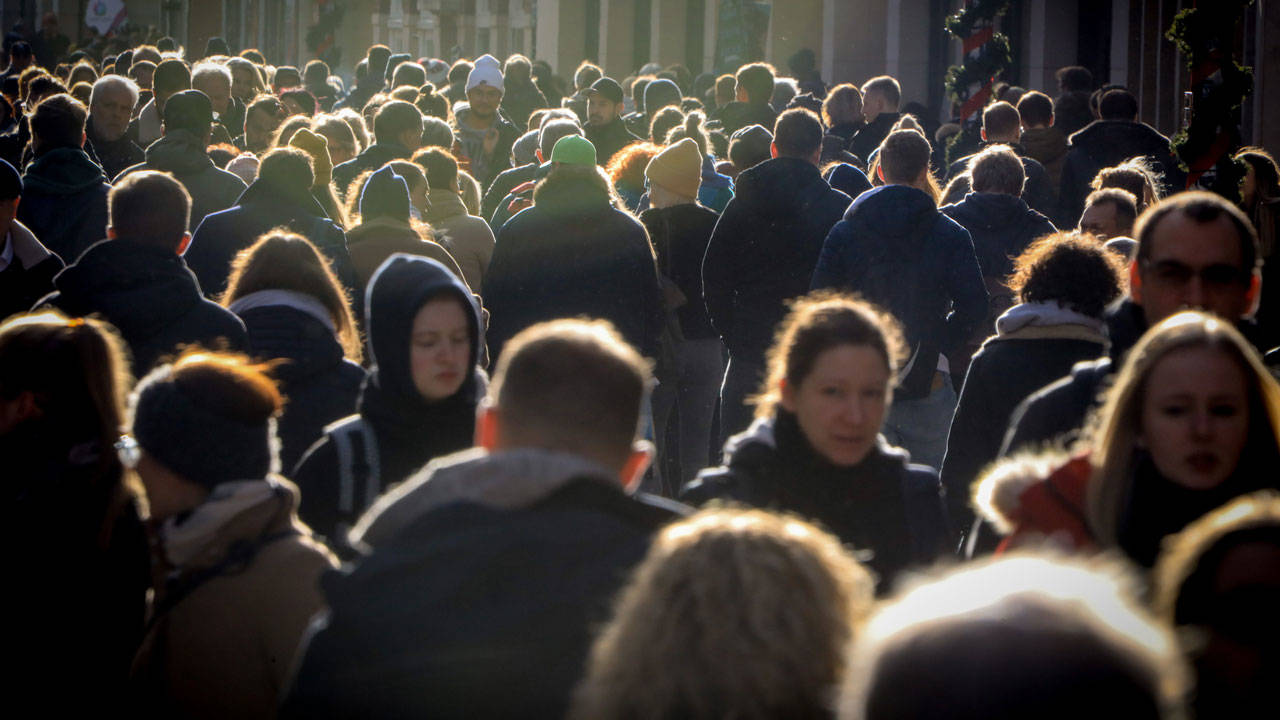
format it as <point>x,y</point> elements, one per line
<point>150,296</point>
<point>409,430</point>
<point>897,250</point>
<point>869,136</point>
<point>64,201</point>
<point>1106,143</point>
<point>764,249</point>
<point>1001,227</point>
<point>113,155</point>
<point>609,139</point>
<point>181,154</point>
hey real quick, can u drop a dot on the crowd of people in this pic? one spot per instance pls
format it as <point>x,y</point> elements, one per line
<point>468,390</point>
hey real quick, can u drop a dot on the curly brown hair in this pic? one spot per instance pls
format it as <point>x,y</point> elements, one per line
<point>733,614</point>
<point>1071,269</point>
<point>626,167</point>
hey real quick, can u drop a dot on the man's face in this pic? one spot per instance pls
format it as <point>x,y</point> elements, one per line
<point>1102,220</point>
<point>143,76</point>
<point>484,100</point>
<point>242,83</point>
<point>872,105</point>
<point>259,126</point>
<point>1193,265</point>
<point>600,109</point>
<point>110,112</point>
<point>216,87</point>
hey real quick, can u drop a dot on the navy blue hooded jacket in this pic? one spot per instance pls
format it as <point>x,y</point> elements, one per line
<point>64,201</point>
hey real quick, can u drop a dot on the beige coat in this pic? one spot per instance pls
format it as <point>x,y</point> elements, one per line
<point>467,238</point>
<point>226,646</point>
<point>371,243</point>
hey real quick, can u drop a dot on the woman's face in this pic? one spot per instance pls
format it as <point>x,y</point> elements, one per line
<point>841,404</point>
<point>418,196</point>
<point>1195,416</point>
<point>1248,186</point>
<point>243,83</point>
<point>439,349</point>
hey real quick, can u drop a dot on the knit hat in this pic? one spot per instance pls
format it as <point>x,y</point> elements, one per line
<point>487,71</point>
<point>10,181</point>
<point>573,150</point>
<point>188,110</point>
<point>752,141</point>
<point>195,441</point>
<point>677,168</point>
<point>437,71</point>
<point>659,94</point>
<point>384,194</point>
<point>317,146</point>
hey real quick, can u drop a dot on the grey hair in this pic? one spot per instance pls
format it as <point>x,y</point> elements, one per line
<point>997,169</point>
<point>203,69</point>
<point>107,81</point>
<point>551,132</point>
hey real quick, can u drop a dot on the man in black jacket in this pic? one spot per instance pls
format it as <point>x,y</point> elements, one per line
<point>605,128</point>
<point>753,88</point>
<point>137,281</point>
<point>1195,250</point>
<point>491,568</point>
<point>107,131</point>
<point>1001,125</point>
<point>880,99</point>
<point>763,252</point>
<point>397,132</point>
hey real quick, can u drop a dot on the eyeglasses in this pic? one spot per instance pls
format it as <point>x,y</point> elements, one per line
<point>1172,272</point>
<point>129,452</point>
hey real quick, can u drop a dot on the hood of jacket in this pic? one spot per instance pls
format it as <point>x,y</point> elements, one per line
<point>291,326</point>
<point>26,248</point>
<point>778,187</point>
<point>711,178</point>
<point>1044,144</point>
<point>1048,320</point>
<point>235,512</point>
<point>507,480</point>
<point>1105,139</point>
<point>570,194</point>
<point>139,288</point>
<point>63,171</point>
<point>1125,325</point>
<point>179,152</point>
<point>280,200</point>
<point>444,204</point>
<point>988,211</point>
<point>1030,490</point>
<point>896,215</point>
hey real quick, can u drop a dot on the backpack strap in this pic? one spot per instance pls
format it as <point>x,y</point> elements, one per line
<point>358,463</point>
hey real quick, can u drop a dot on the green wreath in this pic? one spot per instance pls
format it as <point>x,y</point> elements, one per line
<point>992,59</point>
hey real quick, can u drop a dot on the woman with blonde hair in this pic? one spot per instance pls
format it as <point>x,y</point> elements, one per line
<point>296,311</point>
<point>733,614</point>
<point>1192,421</point>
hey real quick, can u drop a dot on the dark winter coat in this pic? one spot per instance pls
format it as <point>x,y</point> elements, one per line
<point>520,100</point>
<point>897,250</point>
<point>260,208</point>
<point>484,168</point>
<point>113,155</point>
<point>848,179</point>
<point>409,431</point>
<point>1048,146</point>
<point>883,504</point>
<point>1001,228</point>
<point>1106,143</point>
<point>64,201</point>
<point>488,577</point>
<point>1034,344</point>
<point>321,386</point>
<point>1038,194</point>
<point>680,234</point>
<point>182,155</point>
<point>609,139</point>
<point>573,254</point>
<point>870,135</point>
<point>29,275</point>
<point>371,158</point>
<point>764,249</point>
<point>502,185</point>
<point>150,296</point>
<point>737,115</point>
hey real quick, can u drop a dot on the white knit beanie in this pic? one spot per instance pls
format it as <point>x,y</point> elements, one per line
<point>487,71</point>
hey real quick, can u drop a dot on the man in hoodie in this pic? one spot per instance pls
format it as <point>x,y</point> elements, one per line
<point>107,139</point>
<point>137,281</point>
<point>64,198</point>
<point>880,99</point>
<point>280,197</point>
<point>397,132</point>
<point>896,249</point>
<point>1107,142</point>
<point>605,128</point>
<point>485,136</point>
<point>26,267</point>
<point>763,252</point>
<point>180,151</point>
<point>490,569</point>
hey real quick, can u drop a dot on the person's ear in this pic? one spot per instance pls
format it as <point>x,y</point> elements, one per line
<point>632,472</point>
<point>773,149</point>
<point>983,132</point>
<point>880,173</point>
<point>487,427</point>
<point>83,137</point>
<point>183,244</point>
<point>788,395</point>
<point>1254,294</point>
<point>111,233</point>
<point>1135,282</point>
<point>1052,117</point>
<point>538,154</point>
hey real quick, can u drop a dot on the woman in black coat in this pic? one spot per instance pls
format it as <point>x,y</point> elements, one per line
<point>815,447</point>
<point>1063,283</point>
<point>418,403</point>
<point>295,311</point>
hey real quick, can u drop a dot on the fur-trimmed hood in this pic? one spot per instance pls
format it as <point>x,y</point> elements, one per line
<point>1037,495</point>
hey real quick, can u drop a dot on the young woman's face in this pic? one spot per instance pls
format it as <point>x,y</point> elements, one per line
<point>1195,416</point>
<point>439,349</point>
<point>841,404</point>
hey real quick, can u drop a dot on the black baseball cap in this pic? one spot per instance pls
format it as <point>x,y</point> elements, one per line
<point>609,88</point>
<point>188,110</point>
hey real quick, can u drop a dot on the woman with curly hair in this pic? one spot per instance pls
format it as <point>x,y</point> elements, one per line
<point>815,446</point>
<point>1063,283</point>
<point>700,631</point>
<point>626,171</point>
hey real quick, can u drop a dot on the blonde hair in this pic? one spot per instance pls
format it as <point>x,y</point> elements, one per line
<point>733,614</point>
<point>1115,433</point>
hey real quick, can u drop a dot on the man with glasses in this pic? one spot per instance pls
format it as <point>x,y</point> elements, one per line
<point>1195,251</point>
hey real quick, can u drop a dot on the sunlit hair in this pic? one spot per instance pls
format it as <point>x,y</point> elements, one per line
<point>626,167</point>
<point>842,105</point>
<point>818,322</point>
<point>1114,437</point>
<point>1135,175</point>
<point>1070,269</point>
<point>1037,634</point>
<point>282,260</point>
<point>286,129</point>
<point>1185,574</point>
<point>1265,205</point>
<point>663,122</point>
<point>733,614</point>
<point>692,129</point>
<point>908,158</point>
<point>354,121</point>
